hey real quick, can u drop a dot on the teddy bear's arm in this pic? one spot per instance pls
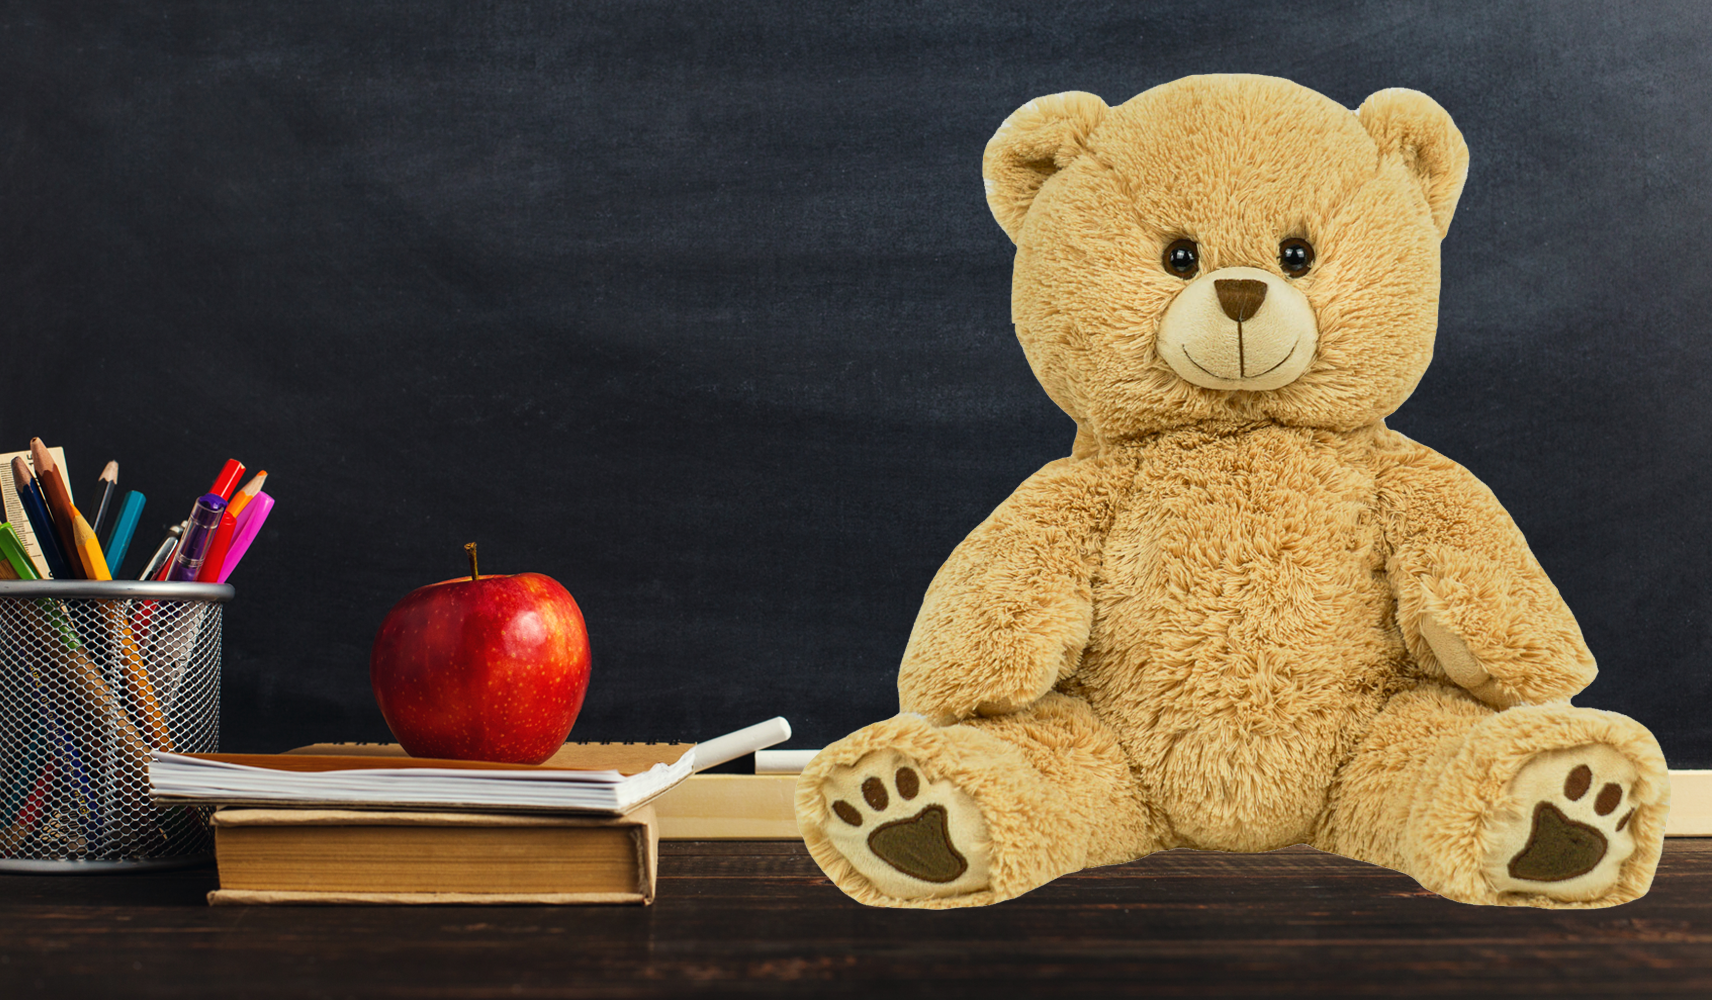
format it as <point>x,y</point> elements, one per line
<point>1008,614</point>
<point>1472,600</point>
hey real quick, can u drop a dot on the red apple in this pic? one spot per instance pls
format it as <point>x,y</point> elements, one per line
<point>482,668</point>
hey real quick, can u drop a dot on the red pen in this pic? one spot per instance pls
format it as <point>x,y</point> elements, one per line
<point>217,549</point>
<point>227,480</point>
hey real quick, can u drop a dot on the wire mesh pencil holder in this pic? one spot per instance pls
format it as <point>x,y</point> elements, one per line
<point>93,676</point>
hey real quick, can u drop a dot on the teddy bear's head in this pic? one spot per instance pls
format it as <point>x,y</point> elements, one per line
<point>1223,250</point>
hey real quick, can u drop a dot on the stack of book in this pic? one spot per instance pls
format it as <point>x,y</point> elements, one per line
<point>364,823</point>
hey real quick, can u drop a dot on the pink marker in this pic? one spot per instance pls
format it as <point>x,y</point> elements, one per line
<point>249,524</point>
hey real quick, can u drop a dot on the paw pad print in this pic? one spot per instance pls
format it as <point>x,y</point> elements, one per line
<point>1566,831</point>
<point>907,835</point>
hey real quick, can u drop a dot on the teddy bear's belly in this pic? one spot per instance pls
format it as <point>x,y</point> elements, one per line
<point>1243,633</point>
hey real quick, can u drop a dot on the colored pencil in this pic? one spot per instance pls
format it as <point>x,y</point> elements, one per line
<point>102,712</point>
<point>18,561</point>
<point>41,522</point>
<point>242,498</point>
<point>227,480</point>
<point>14,556</point>
<point>124,527</point>
<point>88,548</point>
<point>67,559</point>
<point>145,708</point>
<point>106,483</point>
<point>59,505</point>
<point>75,549</point>
<point>71,754</point>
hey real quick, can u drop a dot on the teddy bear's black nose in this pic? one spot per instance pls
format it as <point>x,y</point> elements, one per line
<point>1240,297</point>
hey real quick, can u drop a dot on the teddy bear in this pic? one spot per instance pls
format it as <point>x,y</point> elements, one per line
<point>1242,613</point>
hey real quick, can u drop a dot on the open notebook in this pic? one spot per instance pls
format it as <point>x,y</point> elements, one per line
<point>602,779</point>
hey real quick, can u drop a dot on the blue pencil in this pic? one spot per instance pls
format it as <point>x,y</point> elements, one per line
<point>90,814</point>
<point>30,492</point>
<point>124,526</point>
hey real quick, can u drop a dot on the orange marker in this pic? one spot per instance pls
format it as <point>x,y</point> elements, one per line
<point>227,480</point>
<point>59,505</point>
<point>242,498</point>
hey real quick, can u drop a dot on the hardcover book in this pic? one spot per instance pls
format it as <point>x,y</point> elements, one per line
<point>322,856</point>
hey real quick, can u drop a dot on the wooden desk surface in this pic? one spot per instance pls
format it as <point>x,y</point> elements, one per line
<point>759,919</point>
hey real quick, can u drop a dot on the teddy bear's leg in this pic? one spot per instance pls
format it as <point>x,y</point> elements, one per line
<point>906,813</point>
<point>1542,805</point>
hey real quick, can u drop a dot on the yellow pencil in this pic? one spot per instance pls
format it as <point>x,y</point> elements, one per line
<point>242,498</point>
<point>88,548</point>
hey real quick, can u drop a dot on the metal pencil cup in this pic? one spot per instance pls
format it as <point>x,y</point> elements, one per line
<point>93,676</point>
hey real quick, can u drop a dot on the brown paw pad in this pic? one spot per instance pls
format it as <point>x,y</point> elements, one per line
<point>920,845</point>
<point>1558,848</point>
<point>902,831</point>
<point>1569,835</point>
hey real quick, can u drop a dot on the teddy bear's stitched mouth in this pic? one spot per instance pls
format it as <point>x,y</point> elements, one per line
<point>1287,356</point>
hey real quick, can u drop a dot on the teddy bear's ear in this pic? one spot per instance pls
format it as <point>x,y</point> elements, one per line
<point>1039,139</point>
<point>1409,124</point>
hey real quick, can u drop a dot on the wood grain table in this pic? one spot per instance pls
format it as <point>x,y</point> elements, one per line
<point>758,919</point>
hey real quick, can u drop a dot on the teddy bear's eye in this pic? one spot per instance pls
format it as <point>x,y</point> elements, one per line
<point>1295,257</point>
<point>1183,258</point>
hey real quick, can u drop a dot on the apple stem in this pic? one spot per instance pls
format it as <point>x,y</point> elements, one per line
<point>471,549</point>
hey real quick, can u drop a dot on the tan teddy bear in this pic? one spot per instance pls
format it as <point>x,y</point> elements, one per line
<point>1243,613</point>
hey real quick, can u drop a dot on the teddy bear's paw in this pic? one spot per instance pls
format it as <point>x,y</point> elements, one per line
<point>908,836</point>
<point>1564,831</point>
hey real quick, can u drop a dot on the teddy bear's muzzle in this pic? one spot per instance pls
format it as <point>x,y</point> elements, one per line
<point>1239,328</point>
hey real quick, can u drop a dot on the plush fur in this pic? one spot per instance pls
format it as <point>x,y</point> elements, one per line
<point>1237,618</point>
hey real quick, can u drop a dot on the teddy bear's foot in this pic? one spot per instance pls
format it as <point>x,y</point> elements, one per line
<point>910,837</point>
<point>1564,831</point>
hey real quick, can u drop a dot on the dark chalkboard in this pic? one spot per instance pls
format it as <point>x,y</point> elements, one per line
<point>699,309</point>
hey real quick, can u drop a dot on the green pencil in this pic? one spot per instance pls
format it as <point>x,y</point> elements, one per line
<point>12,548</point>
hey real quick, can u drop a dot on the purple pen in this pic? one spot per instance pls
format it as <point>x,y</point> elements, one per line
<point>193,548</point>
